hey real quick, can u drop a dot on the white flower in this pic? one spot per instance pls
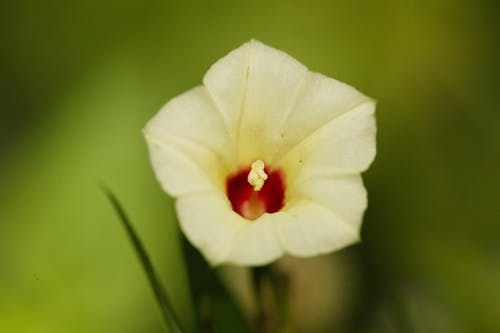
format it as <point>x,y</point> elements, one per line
<point>264,158</point>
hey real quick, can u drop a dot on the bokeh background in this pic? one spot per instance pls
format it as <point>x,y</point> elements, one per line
<point>79,79</point>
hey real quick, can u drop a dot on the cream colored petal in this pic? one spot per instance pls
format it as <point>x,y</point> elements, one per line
<point>226,83</point>
<point>193,116</point>
<point>322,100</point>
<point>255,88</point>
<point>189,147</point>
<point>208,221</point>
<point>308,228</point>
<point>256,244</point>
<point>343,195</point>
<point>345,145</point>
<point>223,236</point>
<point>183,167</point>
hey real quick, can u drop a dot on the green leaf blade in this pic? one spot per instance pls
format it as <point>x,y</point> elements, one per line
<point>161,296</point>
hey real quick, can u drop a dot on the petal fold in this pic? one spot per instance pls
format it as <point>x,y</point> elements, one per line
<point>343,195</point>
<point>256,244</point>
<point>182,167</point>
<point>189,145</point>
<point>255,87</point>
<point>322,100</point>
<point>207,220</point>
<point>345,145</point>
<point>223,236</point>
<point>307,229</point>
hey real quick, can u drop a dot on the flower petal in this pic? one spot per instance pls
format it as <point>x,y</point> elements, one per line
<point>322,100</point>
<point>308,228</point>
<point>194,117</point>
<point>343,195</point>
<point>189,146</point>
<point>226,83</point>
<point>256,244</point>
<point>208,221</point>
<point>255,88</point>
<point>345,145</point>
<point>182,167</point>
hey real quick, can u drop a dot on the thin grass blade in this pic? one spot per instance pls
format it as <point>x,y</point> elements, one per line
<point>161,296</point>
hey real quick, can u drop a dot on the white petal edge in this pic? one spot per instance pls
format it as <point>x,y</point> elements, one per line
<point>345,145</point>
<point>308,229</point>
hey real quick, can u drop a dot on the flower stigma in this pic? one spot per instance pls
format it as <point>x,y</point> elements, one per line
<point>257,175</point>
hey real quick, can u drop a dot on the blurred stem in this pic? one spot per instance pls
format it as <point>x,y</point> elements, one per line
<point>262,317</point>
<point>271,290</point>
<point>281,288</point>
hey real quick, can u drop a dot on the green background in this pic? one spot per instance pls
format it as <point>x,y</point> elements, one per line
<point>79,79</point>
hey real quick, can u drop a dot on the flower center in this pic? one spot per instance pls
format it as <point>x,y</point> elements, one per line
<point>256,190</point>
<point>257,175</point>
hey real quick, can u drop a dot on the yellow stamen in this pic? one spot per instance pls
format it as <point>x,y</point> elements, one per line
<point>257,176</point>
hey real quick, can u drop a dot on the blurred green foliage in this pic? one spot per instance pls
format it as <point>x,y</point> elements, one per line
<point>79,79</point>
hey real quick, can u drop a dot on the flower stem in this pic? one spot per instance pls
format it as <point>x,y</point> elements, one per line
<point>271,289</point>
<point>262,317</point>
